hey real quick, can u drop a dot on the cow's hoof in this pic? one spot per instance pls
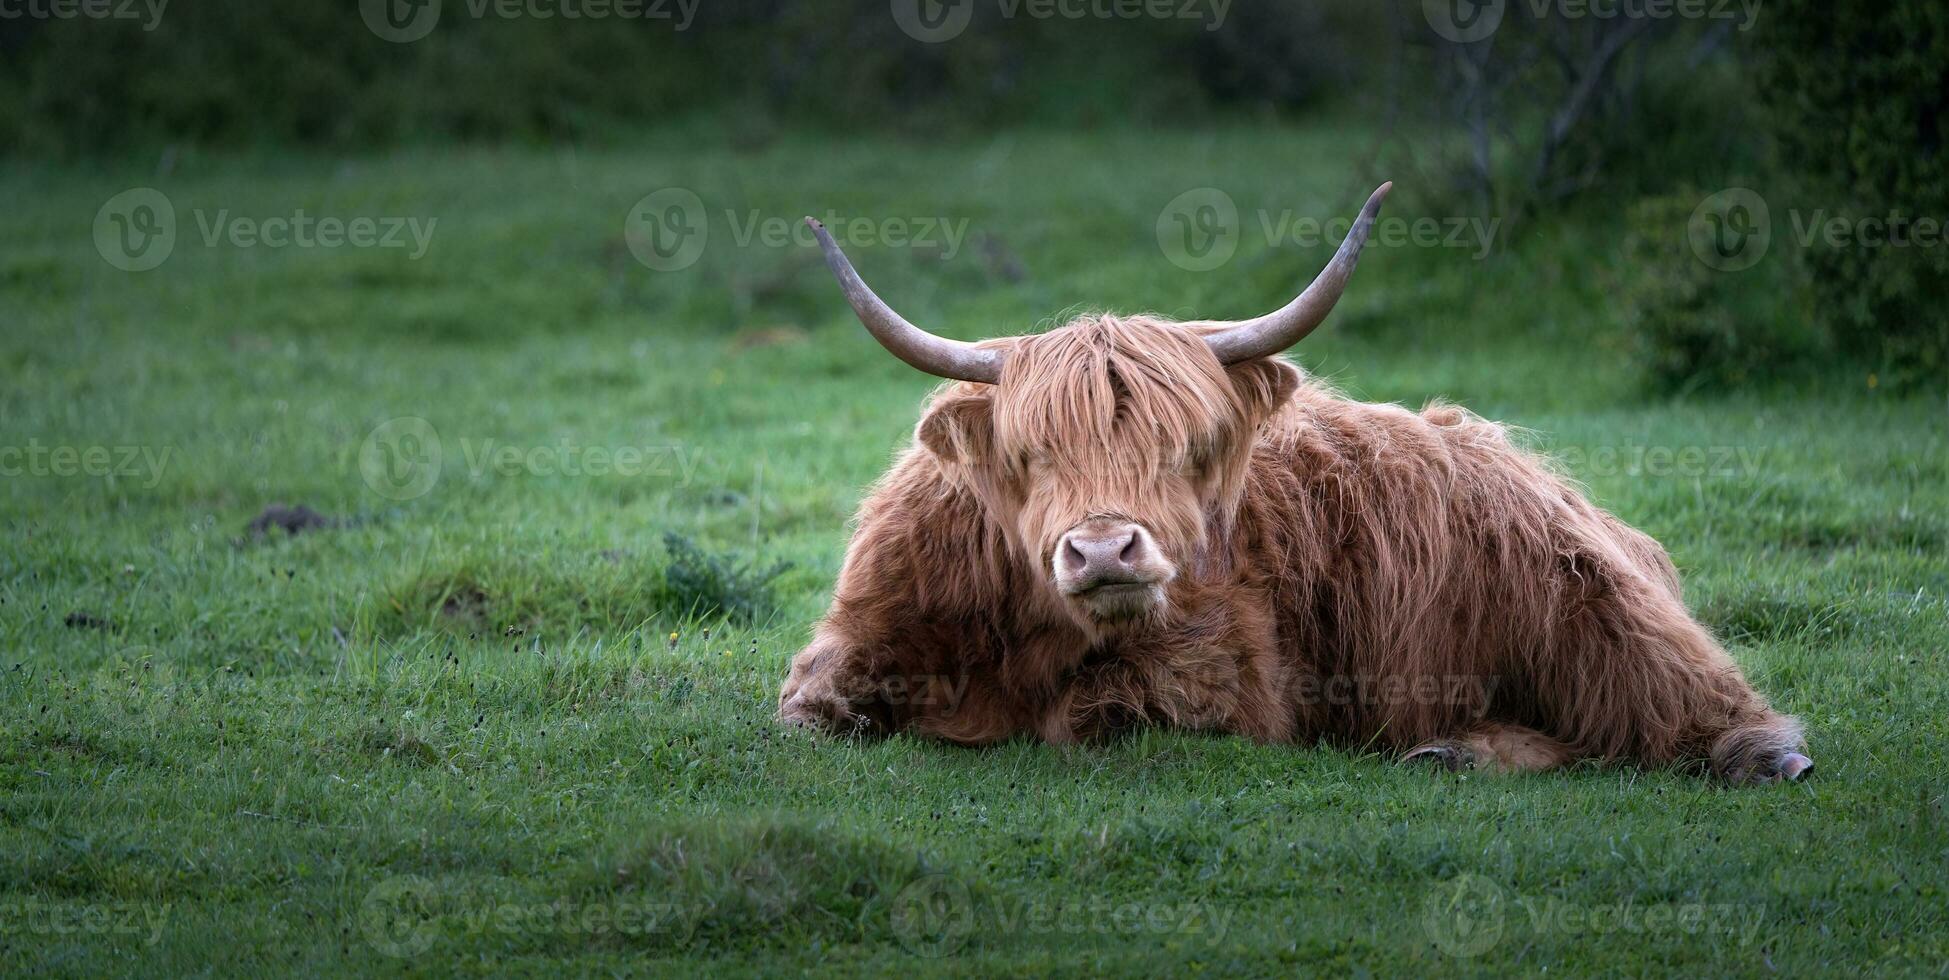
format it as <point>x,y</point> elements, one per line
<point>1449,756</point>
<point>1793,765</point>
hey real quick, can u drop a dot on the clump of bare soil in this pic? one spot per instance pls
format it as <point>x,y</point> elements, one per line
<point>81,619</point>
<point>292,520</point>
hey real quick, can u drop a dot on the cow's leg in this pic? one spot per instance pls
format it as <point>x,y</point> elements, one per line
<point>831,687</point>
<point>1219,688</point>
<point>857,679</point>
<point>1630,674</point>
<point>1103,699</point>
<point>1495,747</point>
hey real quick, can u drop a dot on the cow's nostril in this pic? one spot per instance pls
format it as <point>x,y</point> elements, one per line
<point>1072,555</point>
<point>1129,552</point>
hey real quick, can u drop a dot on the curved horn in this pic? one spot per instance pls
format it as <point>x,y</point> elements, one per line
<point>1267,335</point>
<point>938,356</point>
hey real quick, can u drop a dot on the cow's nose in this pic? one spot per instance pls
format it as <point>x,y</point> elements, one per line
<point>1094,556</point>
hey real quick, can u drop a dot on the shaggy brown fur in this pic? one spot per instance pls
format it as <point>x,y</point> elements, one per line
<point>1344,571</point>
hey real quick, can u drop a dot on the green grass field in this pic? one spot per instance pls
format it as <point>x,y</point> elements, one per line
<point>470,726</point>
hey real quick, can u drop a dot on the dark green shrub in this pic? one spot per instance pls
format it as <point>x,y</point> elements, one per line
<point>703,584</point>
<point>1694,325</point>
<point>1860,97</point>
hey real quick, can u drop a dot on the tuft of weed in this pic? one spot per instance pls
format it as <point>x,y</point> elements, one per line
<point>773,880</point>
<point>703,584</point>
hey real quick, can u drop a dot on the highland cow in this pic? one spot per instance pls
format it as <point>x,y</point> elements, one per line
<point>1130,521</point>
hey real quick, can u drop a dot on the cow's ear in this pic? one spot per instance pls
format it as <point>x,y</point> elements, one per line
<point>1265,384</point>
<point>958,427</point>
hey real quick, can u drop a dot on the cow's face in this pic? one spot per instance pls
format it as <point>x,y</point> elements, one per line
<point>1108,451</point>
